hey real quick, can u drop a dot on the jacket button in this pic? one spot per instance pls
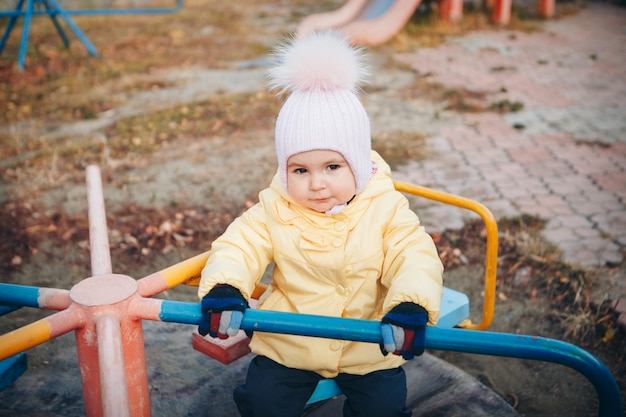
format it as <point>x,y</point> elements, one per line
<point>340,226</point>
<point>341,290</point>
<point>335,345</point>
<point>337,242</point>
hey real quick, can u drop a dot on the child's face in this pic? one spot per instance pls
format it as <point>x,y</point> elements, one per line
<point>320,179</point>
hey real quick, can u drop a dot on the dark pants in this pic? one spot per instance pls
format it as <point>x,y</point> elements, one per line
<point>273,390</point>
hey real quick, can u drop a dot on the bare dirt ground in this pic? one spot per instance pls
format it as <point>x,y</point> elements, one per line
<point>176,114</point>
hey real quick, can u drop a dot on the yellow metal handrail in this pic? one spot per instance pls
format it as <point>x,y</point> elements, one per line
<point>491,255</point>
<point>188,271</point>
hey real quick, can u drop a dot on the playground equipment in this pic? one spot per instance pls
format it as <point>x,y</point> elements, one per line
<point>368,22</point>
<point>365,22</point>
<point>51,8</point>
<point>106,311</point>
<point>373,22</point>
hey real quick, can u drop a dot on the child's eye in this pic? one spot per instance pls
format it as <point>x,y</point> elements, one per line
<point>333,167</point>
<point>299,170</point>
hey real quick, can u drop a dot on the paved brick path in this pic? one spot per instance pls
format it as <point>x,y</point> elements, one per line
<point>563,156</point>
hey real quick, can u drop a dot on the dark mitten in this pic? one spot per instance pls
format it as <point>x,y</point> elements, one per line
<point>404,330</point>
<point>222,312</point>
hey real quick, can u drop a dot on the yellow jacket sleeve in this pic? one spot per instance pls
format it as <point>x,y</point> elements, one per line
<point>240,256</point>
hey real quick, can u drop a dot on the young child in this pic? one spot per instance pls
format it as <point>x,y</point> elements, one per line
<point>344,243</point>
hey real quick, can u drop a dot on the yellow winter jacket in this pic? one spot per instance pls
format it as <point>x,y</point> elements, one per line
<point>359,263</point>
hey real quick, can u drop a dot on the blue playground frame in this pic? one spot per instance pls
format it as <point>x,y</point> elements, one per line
<point>449,339</point>
<point>51,8</point>
<point>438,338</point>
<point>467,340</point>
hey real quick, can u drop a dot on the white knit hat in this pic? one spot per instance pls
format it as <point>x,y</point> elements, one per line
<point>323,112</point>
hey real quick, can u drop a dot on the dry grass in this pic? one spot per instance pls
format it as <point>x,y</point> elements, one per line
<point>531,268</point>
<point>398,147</point>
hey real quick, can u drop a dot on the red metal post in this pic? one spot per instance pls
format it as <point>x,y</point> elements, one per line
<point>87,350</point>
<point>113,382</point>
<point>546,8</point>
<point>135,364</point>
<point>502,12</point>
<point>111,348</point>
<point>110,344</point>
<point>451,10</point>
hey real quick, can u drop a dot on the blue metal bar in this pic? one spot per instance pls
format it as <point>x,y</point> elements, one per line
<point>25,31</point>
<point>74,27</point>
<point>13,297</point>
<point>19,295</point>
<point>9,28</point>
<point>535,348</point>
<point>58,27</point>
<point>90,12</point>
<point>11,369</point>
<point>459,340</point>
<point>52,9</point>
<point>180,312</point>
<point>128,11</point>
<point>8,309</point>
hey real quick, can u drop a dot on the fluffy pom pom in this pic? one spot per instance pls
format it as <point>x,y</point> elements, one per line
<point>319,61</point>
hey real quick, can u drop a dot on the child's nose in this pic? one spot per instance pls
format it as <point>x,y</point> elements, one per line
<point>317,182</point>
